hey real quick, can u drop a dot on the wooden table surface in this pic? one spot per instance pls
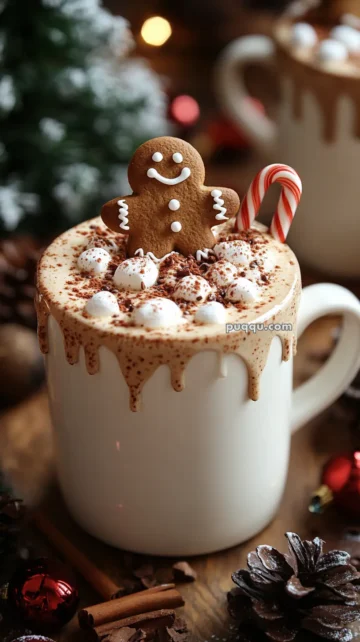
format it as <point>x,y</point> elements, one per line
<point>26,453</point>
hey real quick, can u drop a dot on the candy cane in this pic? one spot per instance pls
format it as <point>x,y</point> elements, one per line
<point>287,205</point>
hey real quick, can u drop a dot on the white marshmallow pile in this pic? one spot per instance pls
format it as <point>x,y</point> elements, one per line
<point>242,290</point>
<point>221,273</point>
<point>236,252</point>
<point>192,288</point>
<point>157,313</point>
<point>94,261</point>
<point>303,35</point>
<point>211,313</point>
<point>343,40</point>
<point>102,304</point>
<point>137,273</point>
<point>348,36</point>
<point>332,51</point>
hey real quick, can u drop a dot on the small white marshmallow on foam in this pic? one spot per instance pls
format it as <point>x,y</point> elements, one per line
<point>211,313</point>
<point>236,252</point>
<point>192,288</point>
<point>157,313</point>
<point>136,273</point>
<point>332,51</point>
<point>242,290</point>
<point>222,273</point>
<point>94,261</point>
<point>348,36</point>
<point>303,36</point>
<point>102,304</point>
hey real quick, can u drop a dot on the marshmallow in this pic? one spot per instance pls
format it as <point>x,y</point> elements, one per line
<point>267,264</point>
<point>102,304</point>
<point>95,260</point>
<point>192,288</point>
<point>107,244</point>
<point>212,312</point>
<point>222,273</point>
<point>237,252</point>
<point>348,36</point>
<point>253,274</point>
<point>242,290</point>
<point>303,35</point>
<point>137,273</point>
<point>157,313</point>
<point>332,51</point>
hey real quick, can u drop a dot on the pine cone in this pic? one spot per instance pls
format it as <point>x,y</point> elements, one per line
<point>307,590</point>
<point>18,260</point>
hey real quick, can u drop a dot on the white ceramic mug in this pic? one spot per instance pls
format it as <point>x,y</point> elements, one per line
<point>325,234</point>
<point>194,471</point>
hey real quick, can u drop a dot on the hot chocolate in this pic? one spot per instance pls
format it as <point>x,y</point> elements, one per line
<point>200,339</point>
<point>150,312</point>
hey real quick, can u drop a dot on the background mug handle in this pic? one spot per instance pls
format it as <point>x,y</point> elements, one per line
<point>336,374</point>
<point>233,96</point>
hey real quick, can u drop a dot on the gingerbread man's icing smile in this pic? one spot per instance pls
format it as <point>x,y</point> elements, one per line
<point>177,158</point>
<point>176,185</point>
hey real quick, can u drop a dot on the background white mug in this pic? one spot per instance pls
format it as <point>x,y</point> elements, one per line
<point>325,233</point>
<point>194,471</point>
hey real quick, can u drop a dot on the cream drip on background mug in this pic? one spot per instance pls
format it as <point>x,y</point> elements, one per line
<point>317,130</point>
<point>170,377</point>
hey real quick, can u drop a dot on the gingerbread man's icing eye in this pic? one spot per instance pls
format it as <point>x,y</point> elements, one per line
<point>177,157</point>
<point>157,157</point>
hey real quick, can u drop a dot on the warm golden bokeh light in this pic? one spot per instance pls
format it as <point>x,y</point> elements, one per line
<point>156,31</point>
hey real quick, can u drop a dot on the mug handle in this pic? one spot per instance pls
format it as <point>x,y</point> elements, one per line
<point>233,96</point>
<point>340,369</point>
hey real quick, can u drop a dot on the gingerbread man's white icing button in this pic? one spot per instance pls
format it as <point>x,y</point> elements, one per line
<point>176,226</point>
<point>174,204</point>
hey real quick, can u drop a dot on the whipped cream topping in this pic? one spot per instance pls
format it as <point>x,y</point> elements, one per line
<point>167,311</point>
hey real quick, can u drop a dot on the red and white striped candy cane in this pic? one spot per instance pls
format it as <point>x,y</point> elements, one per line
<point>287,205</point>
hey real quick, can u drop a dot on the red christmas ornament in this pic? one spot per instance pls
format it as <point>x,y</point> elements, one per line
<point>340,485</point>
<point>44,594</point>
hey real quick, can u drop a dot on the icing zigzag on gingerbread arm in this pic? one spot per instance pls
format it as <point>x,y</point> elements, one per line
<point>116,213</point>
<point>225,204</point>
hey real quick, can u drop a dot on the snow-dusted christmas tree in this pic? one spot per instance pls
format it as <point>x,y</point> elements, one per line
<point>73,108</point>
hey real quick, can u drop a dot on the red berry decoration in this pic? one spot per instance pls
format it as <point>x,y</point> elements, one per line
<point>340,485</point>
<point>44,594</point>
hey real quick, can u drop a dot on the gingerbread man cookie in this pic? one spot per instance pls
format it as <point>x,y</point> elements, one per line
<point>170,208</point>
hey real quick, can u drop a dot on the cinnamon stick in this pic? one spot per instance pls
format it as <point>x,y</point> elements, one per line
<point>125,607</point>
<point>147,622</point>
<point>96,578</point>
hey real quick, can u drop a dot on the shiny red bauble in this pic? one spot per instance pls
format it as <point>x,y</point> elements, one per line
<point>43,593</point>
<point>342,475</point>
